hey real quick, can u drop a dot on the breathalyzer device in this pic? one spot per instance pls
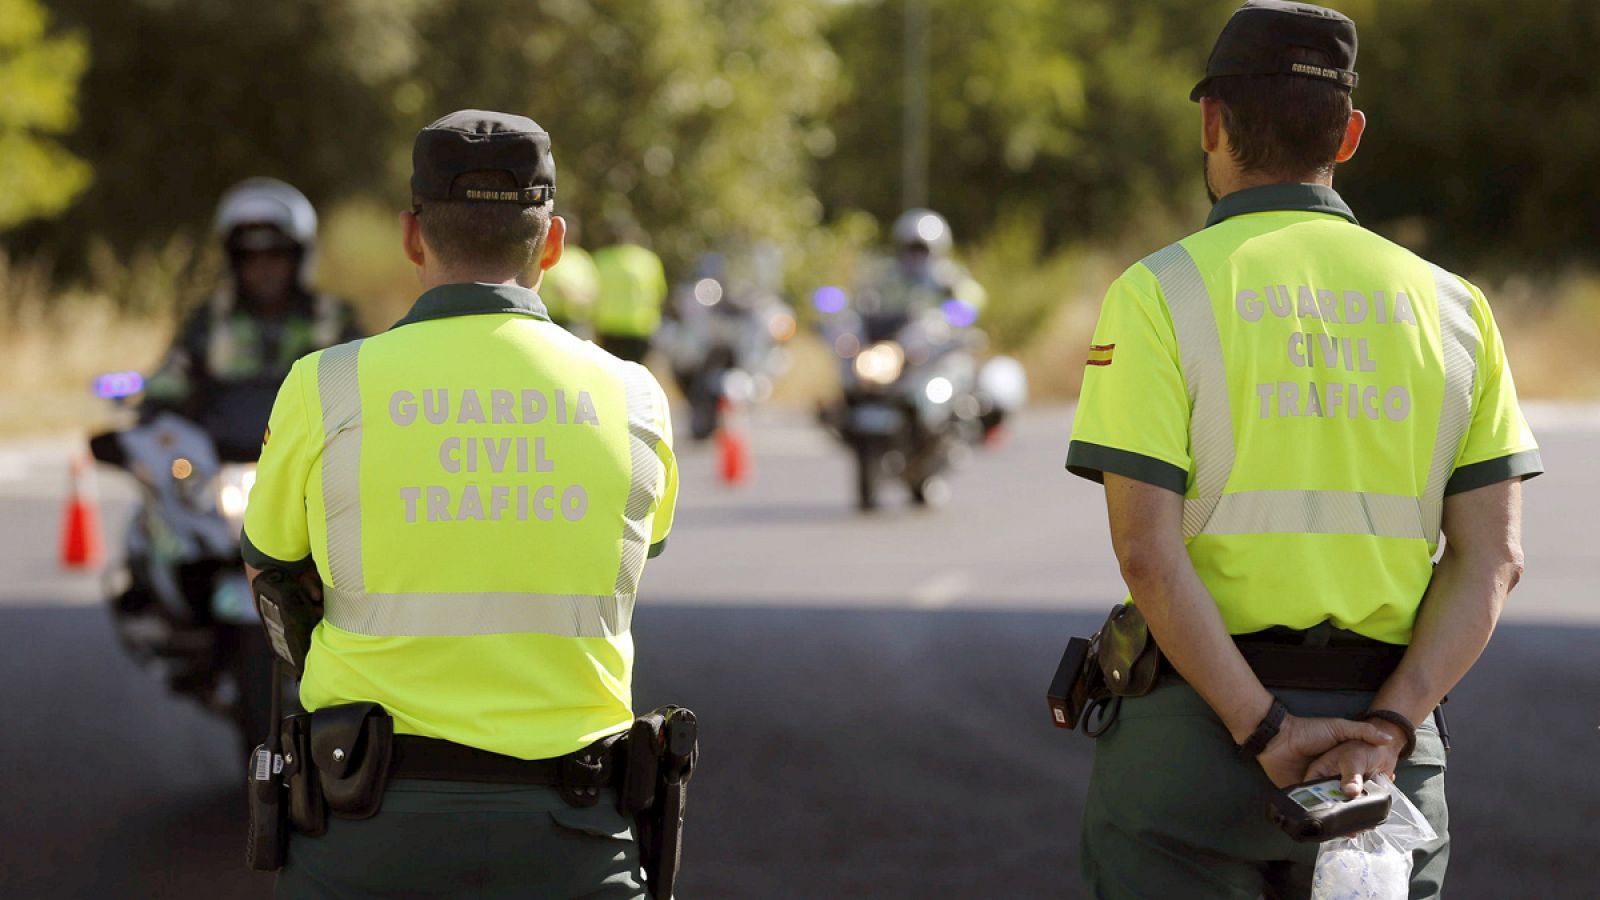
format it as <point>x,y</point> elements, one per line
<point>1319,810</point>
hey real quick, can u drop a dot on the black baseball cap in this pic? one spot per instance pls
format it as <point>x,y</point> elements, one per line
<point>475,140</point>
<point>1258,40</point>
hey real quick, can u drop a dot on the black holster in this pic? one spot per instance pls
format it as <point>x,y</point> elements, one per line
<point>1120,660</point>
<point>336,760</point>
<point>663,749</point>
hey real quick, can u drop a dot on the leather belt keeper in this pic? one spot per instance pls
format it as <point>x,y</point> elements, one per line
<point>437,760</point>
<point>1362,667</point>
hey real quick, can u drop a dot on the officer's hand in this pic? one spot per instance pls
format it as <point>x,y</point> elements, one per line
<point>1301,741</point>
<point>1352,762</point>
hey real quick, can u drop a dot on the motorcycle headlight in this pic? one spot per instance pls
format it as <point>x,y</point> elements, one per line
<point>233,486</point>
<point>880,363</point>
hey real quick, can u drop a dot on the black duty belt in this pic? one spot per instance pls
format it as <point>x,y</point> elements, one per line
<point>1319,659</point>
<point>438,760</point>
<point>1350,667</point>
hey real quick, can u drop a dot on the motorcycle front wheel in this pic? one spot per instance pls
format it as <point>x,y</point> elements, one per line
<point>869,472</point>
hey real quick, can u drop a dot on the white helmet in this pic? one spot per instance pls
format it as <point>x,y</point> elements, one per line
<point>923,227</point>
<point>269,202</point>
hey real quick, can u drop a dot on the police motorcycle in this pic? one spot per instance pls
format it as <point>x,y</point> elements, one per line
<point>179,600</point>
<point>914,400</point>
<point>725,337</point>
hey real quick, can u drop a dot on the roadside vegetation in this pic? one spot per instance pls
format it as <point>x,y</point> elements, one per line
<point>1060,135</point>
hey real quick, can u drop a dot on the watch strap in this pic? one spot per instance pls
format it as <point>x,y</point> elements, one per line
<point>1265,732</point>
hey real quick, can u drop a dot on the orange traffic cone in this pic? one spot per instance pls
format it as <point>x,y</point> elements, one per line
<point>732,446</point>
<point>81,545</point>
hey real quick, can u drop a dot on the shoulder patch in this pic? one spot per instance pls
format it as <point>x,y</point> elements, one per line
<point>1100,354</point>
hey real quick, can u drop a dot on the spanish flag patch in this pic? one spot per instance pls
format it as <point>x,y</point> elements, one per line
<point>1100,354</point>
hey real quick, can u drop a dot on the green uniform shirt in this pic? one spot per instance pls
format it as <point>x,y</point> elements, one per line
<point>1314,391</point>
<point>633,286</point>
<point>479,490</point>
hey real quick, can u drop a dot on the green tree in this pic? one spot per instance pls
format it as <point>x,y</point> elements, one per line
<point>38,88</point>
<point>185,97</point>
<point>1074,114</point>
<point>694,122</point>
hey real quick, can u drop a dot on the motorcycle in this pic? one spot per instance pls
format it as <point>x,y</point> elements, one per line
<point>914,400</point>
<point>725,350</point>
<point>180,602</point>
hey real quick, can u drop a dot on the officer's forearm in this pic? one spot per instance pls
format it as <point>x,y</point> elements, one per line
<point>1146,532</point>
<point>1482,562</point>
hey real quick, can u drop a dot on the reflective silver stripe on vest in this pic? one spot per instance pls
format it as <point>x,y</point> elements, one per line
<point>458,615</point>
<point>351,608</point>
<point>339,388</point>
<point>1316,512</point>
<point>1458,335</point>
<point>1204,375</point>
<point>645,470</point>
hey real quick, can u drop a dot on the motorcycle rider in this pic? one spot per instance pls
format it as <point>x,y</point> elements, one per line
<point>225,365</point>
<point>223,371</point>
<point>923,275</point>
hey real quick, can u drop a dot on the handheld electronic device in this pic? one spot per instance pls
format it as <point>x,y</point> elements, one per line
<point>1319,811</point>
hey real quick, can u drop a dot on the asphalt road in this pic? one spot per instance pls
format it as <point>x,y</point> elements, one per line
<point>870,690</point>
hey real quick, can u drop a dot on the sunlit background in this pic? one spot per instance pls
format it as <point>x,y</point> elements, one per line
<point>1056,136</point>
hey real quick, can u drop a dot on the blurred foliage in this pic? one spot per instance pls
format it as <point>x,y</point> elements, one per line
<point>1075,114</point>
<point>39,75</point>
<point>685,124</point>
<point>716,123</point>
<point>1482,129</point>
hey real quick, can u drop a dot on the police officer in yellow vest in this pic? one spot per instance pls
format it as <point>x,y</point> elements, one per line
<point>475,492</point>
<point>1287,412</point>
<point>570,290</point>
<point>633,287</point>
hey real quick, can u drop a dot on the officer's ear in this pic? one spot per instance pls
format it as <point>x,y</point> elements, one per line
<point>1353,130</point>
<point>554,242</point>
<point>411,238</point>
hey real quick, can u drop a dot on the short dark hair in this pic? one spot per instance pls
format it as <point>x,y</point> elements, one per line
<point>1284,125</point>
<point>503,237</point>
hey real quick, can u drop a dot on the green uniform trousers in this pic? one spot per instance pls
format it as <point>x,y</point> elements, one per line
<point>456,839</point>
<point>1172,812</point>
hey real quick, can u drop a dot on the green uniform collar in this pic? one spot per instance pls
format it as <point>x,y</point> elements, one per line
<point>475,299</point>
<point>1316,198</point>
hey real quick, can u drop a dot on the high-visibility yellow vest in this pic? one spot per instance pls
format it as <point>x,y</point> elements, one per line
<point>1315,392</point>
<point>632,288</point>
<point>479,490</point>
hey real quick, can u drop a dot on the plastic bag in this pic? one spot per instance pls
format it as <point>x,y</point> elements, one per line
<point>1376,864</point>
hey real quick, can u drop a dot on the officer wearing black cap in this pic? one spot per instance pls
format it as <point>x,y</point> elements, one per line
<point>1287,412</point>
<point>472,496</point>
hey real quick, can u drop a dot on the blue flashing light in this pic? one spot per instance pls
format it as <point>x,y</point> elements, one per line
<point>959,314</point>
<point>116,385</point>
<point>830,299</point>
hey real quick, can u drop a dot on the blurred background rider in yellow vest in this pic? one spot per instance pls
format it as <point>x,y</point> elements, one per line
<point>633,287</point>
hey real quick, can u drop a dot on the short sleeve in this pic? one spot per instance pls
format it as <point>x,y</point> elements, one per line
<point>275,527</point>
<point>661,524</point>
<point>1133,413</point>
<point>1499,444</point>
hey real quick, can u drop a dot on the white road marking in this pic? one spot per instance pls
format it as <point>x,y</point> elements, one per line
<point>941,590</point>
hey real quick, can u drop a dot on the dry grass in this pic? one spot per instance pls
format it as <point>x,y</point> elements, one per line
<point>54,342</point>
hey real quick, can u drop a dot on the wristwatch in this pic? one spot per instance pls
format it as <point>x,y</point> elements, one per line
<point>1264,733</point>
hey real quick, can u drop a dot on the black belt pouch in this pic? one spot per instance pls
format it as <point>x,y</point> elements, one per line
<point>1128,656</point>
<point>307,812</point>
<point>351,746</point>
